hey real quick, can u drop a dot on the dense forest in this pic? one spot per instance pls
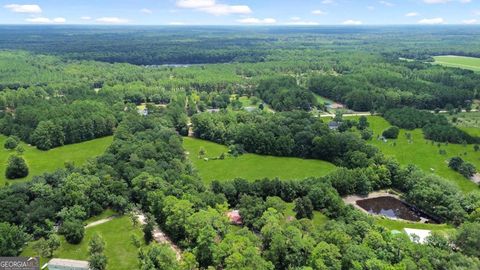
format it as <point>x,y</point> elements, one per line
<point>256,92</point>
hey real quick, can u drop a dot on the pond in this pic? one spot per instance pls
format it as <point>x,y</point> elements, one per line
<point>393,208</point>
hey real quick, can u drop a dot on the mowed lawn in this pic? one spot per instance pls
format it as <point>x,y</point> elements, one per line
<point>399,225</point>
<point>471,63</point>
<point>250,166</point>
<point>40,162</point>
<point>119,248</point>
<point>424,154</point>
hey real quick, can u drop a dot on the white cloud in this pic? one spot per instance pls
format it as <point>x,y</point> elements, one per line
<point>352,22</point>
<point>85,18</point>
<point>212,7</point>
<point>386,3</point>
<point>23,8</point>
<point>295,18</point>
<point>432,21</point>
<point>257,21</point>
<point>446,1</point>
<point>302,23</point>
<point>59,20</point>
<point>471,21</point>
<point>220,9</point>
<point>328,2</point>
<point>319,12</point>
<point>436,1</point>
<point>195,3</point>
<point>412,14</point>
<point>176,23</point>
<point>111,20</point>
<point>146,11</point>
<point>45,20</point>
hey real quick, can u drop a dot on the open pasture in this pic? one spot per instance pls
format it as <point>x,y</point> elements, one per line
<point>424,153</point>
<point>40,162</point>
<point>471,63</point>
<point>250,166</point>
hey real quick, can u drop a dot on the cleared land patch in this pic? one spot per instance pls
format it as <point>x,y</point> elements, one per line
<point>467,121</point>
<point>119,249</point>
<point>471,63</point>
<point>424,153</point>
<point>250,166</point>
<point>40,162</point>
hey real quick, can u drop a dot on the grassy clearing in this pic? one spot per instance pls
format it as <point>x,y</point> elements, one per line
<point>424,154</point>
<point>40,162</point>
<point>471,63</point>
<point>119,249</point>
<point>399,225</point>
<point>467,121</point>
<point>318,219</point>
<point>250,166</point>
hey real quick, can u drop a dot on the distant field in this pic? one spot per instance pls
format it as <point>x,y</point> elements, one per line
<point>250,166</point>
<point>470,63</point>
<point>48,161</point>
<point>119,249</point>
<point>467,121</point>
<point>424,154</point>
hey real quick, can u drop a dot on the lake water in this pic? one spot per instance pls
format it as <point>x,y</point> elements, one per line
<point>393,208</point>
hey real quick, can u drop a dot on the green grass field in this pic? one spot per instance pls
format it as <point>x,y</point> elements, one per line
<point>48,161</point>
<point>470,63</point>
<point>467,121</point>
<point>119,249</point>
<point>318,219</point>
<point>399,225</point>
<point>424,154</point>
<point>250,166</point>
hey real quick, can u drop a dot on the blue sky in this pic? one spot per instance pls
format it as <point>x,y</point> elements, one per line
<point>240,12</point>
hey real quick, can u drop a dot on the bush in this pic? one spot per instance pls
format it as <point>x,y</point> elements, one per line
<point>73,231</point>
<point>16,168</point>
<point>391,133</point>
<point>11,143</point>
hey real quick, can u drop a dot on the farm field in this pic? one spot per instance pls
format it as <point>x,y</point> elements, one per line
<point>250,166</point>
<point>119,249</point>
<point>48,161</point>
<point>470,63</point>
<point>424,154</point>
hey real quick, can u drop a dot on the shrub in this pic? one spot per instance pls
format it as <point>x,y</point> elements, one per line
<point>73,231</point>
<point>11,143</point>
<point>391,133</point>
<point>16,167</point>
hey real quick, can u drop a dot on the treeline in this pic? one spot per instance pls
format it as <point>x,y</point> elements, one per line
<point>377,84</point>
<point>283,94</point>
<point>430,194</point>
<point>284,134</point>
<point>51,123</point>
<point>435,127</point>
<point>146,165</point>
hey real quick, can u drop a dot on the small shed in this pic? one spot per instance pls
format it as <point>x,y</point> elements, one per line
<point>66,264</point>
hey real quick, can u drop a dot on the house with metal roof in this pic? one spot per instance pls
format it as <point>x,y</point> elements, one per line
<point>66,264</point>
